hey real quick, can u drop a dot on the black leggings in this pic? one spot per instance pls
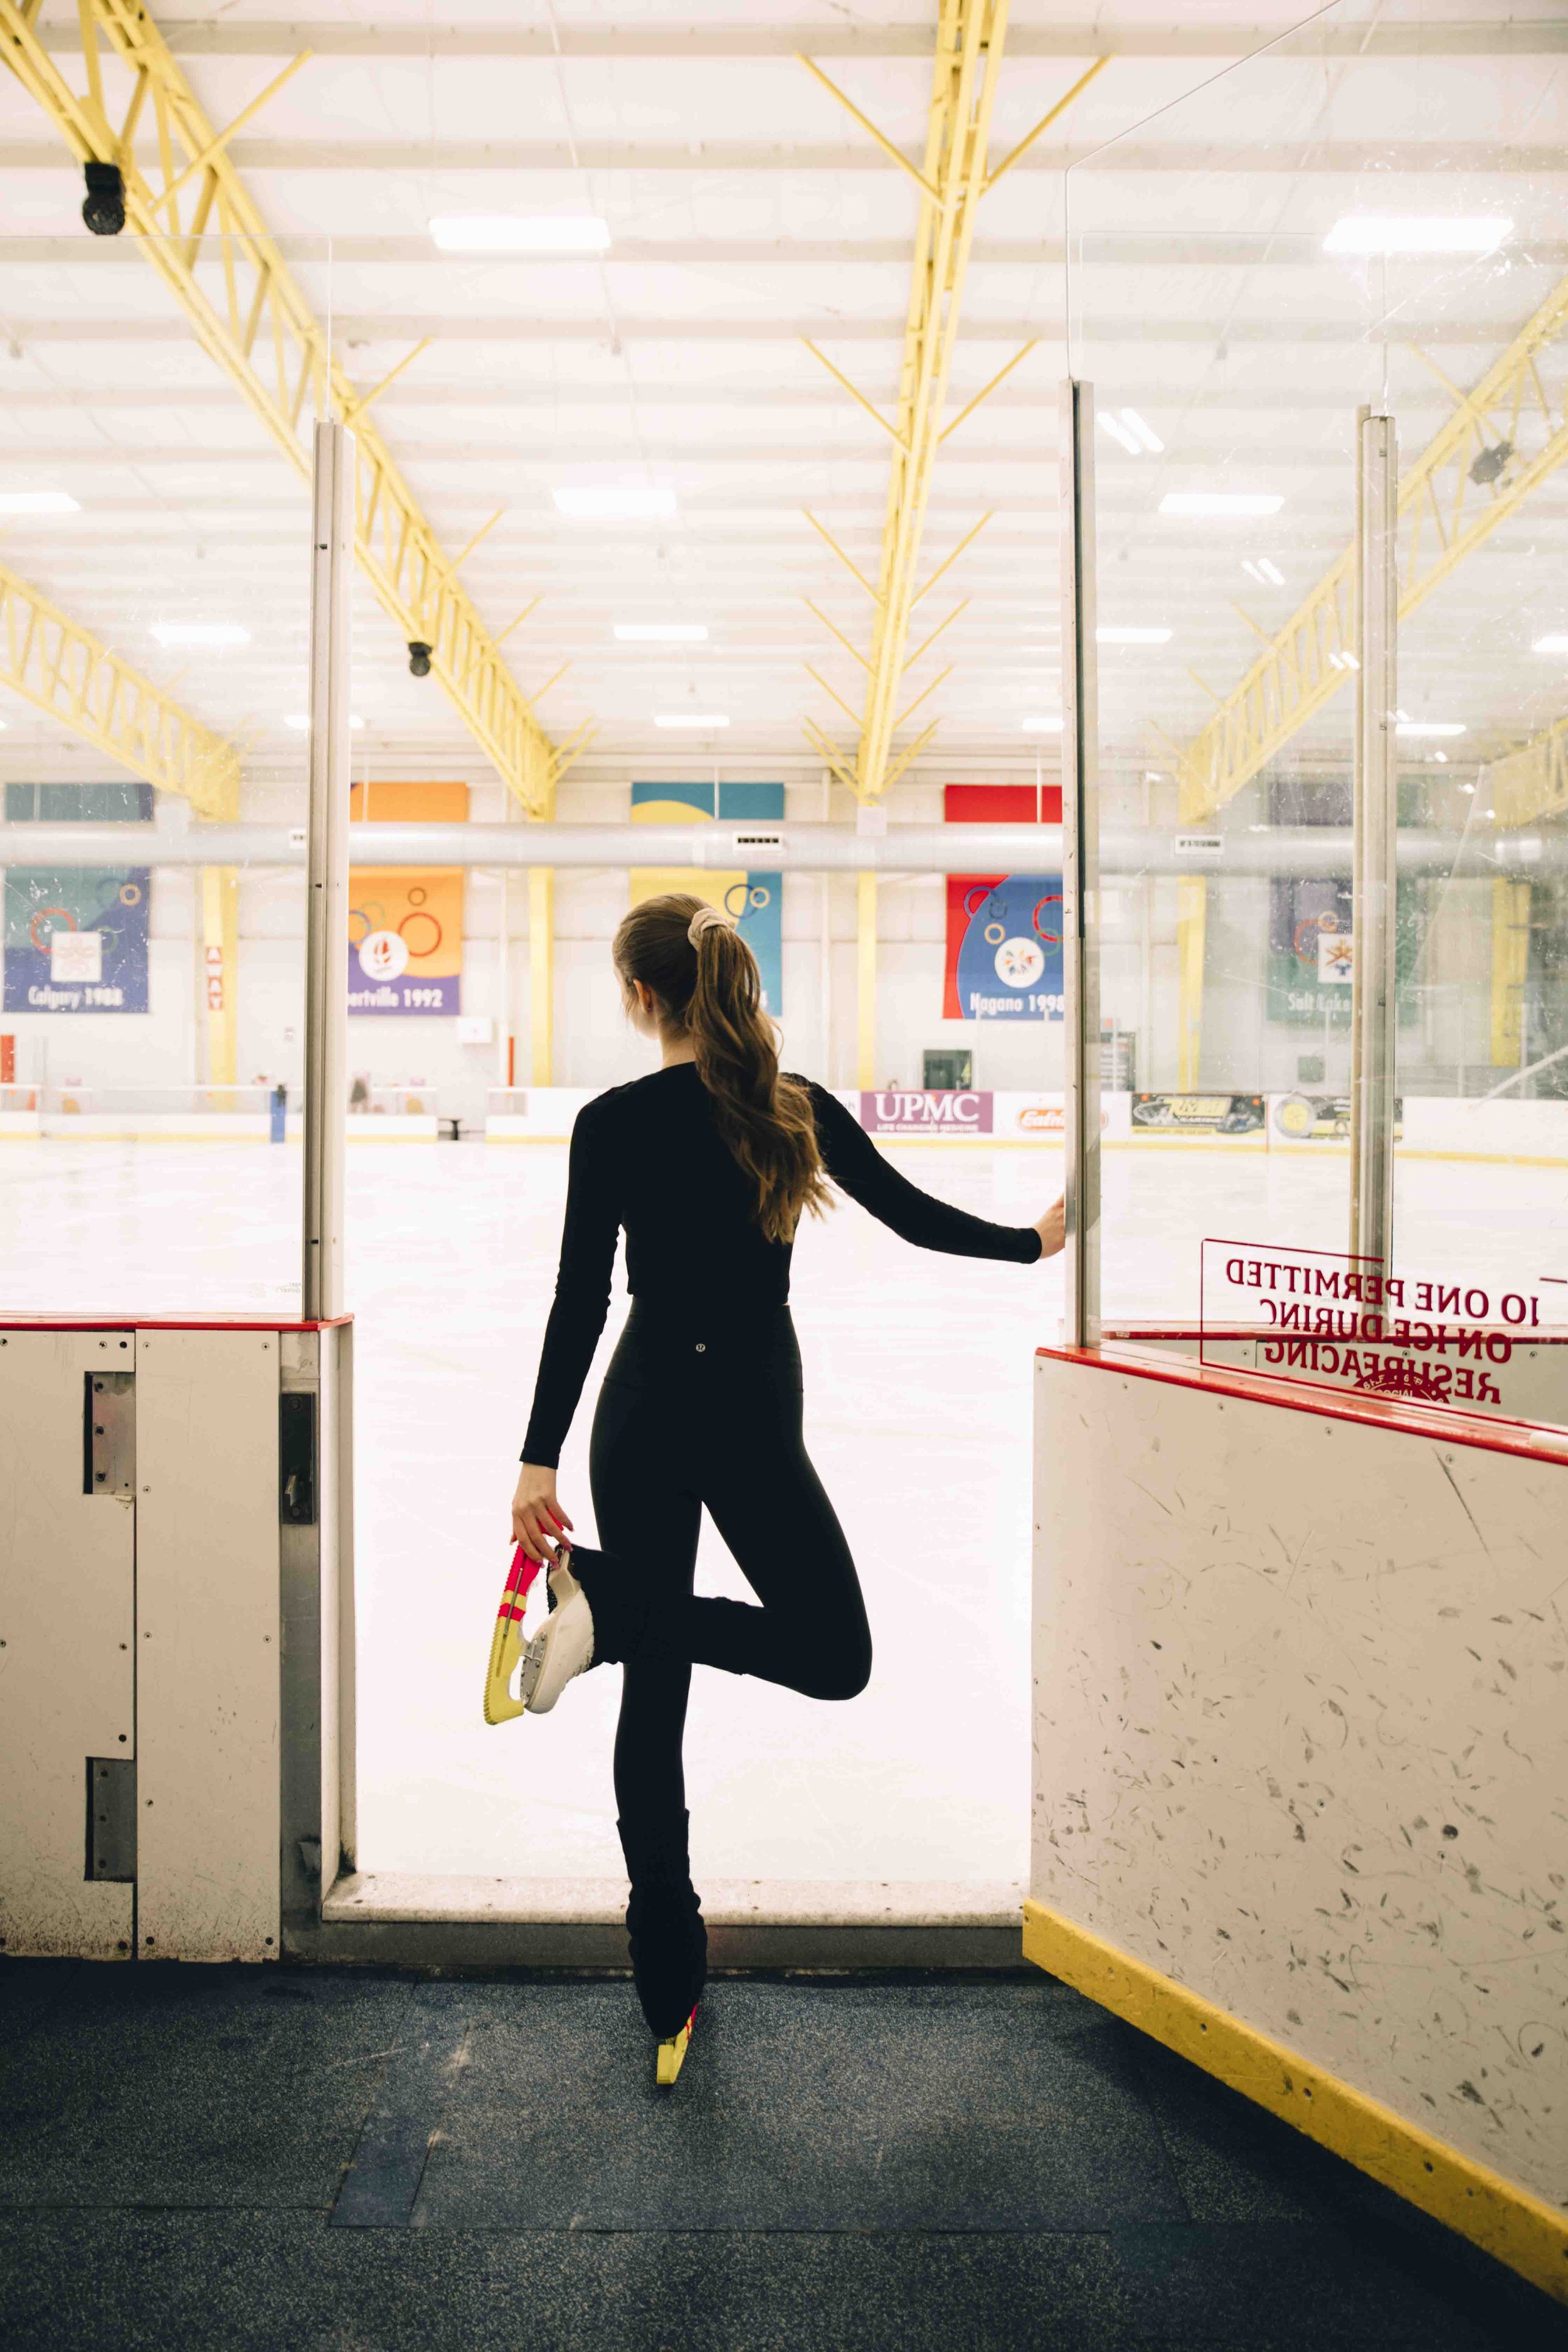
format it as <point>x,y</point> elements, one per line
<point>694,1416</point>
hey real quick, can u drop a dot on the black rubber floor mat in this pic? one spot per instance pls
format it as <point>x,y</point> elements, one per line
<point>1000,2106</point>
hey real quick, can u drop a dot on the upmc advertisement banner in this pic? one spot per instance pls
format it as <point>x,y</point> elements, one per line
<point>755,900</point>
<point>918,1111</point>
<point>1003,930</point>
<point>406,922</point>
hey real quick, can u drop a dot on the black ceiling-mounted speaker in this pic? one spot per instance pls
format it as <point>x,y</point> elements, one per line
<point>104,209</point>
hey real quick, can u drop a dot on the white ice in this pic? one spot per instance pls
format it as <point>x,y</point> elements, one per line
<point>918,1388</point>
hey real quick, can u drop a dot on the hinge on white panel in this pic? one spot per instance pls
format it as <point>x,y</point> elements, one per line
<point>297,1471</point>
<point>112,1819</point>
<point>109,1434</point>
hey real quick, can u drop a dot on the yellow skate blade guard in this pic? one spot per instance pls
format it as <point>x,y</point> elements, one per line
<point>671,2053</point>
<point>506,1642</point>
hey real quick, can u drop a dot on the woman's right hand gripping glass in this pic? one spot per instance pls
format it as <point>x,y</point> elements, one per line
<point>538,1521</point>
<point>1052,1228</point>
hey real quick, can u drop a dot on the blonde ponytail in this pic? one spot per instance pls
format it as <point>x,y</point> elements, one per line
<point>707,982</point>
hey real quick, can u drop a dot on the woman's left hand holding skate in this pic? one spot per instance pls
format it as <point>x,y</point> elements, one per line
<point>538,1521</point>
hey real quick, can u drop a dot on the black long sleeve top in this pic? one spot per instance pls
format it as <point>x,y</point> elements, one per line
<point>647,1157</point>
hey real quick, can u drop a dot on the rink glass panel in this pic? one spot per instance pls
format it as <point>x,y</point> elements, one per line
<point>1225,946</point>
<point>916,1401</point>
<point>153,999</point>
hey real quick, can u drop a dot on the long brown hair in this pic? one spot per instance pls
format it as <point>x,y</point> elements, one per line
<point>713,992</point>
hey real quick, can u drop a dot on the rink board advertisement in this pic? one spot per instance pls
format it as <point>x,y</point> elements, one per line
<point>406,922</point>
<point>1307,1115</point>
<point>753,900</point>
<point>1003,930</point>
<point>1218,1112</point>
<point>76,939</point>
<point>921,1111</point>
<point>956,1116</point>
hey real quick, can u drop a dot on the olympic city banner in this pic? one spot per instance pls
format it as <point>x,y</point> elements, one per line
<point>1309,980</point>
<point>76,938</point>
<point>755,899</point>
<point>406,922</point>
<point>1003,930</point>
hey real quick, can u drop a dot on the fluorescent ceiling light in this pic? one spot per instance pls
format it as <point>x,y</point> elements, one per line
<point>1121,434</point>
<point>661,633</point>
<point>1417,232</point>
<point>1050,724</point>
<point>520,233</point>
<point>690,719</point>
<point>26,502</point>
<point>1141,432</point>
<point>613,502</point>
<point>200,633</point>
<point>1343,661</point>
<point>1267,574</point>
<point>1227,505</point>
<point>301,725</point>
<point>1555,643</point>
<point>1119,637</point>
<point>1430,727</point>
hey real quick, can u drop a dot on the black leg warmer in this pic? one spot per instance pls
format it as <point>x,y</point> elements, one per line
<point>619,1604</point>
<point>664,1924</point>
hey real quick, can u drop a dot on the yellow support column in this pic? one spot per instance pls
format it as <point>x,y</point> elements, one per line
<point>1511,965</point>
<point>1191,919</point>
<point>541,973</point>
<point>220,971</point>
<point>865,982</point>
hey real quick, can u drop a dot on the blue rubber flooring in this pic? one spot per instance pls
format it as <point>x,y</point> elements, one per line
<point>341,2161</point>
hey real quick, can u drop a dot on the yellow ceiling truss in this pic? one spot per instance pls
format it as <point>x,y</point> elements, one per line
<point>951,179</point>
<point>1531,783</point>
<point>65,672</point>
<point>1469,479</point>
<point>209,244</point>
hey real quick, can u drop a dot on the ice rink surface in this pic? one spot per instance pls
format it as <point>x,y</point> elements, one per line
<point>918,1412</point>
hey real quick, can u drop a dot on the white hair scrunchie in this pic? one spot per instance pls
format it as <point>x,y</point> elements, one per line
<point>706,919</point>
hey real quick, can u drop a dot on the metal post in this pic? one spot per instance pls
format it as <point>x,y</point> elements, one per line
<point>504,984</point>
<point>1080,864</point>
<point>1376,827</point>
<point>542,975</point>
<point>865,982</point>
<point>219,893</point>
<point>326,902</point>
<point>504,1055</point>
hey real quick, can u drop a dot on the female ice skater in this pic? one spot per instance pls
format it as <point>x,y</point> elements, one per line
<point>707,1164</point>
